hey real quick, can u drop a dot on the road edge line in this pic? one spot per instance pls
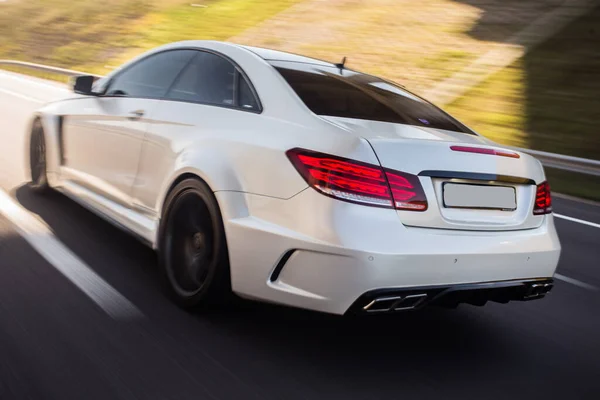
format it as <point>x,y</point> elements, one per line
<point>580,221</point>
<point>43,241</point>
<point>575,282</point>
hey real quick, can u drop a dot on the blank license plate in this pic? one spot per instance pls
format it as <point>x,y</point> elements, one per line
<point>457,195</point>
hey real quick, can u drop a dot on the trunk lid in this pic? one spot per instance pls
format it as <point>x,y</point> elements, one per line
<point>463,189</point>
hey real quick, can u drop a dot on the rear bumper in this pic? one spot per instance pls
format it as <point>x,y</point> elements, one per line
<point>325,255</point>
<point>383,301</point>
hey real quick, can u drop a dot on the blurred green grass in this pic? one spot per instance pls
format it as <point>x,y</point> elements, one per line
<point>546,101</point>
<point>92,36</point>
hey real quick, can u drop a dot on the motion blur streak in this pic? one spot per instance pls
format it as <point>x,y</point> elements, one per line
<point>575,282</point>
<point>19,95</point>
<point>43,241</point>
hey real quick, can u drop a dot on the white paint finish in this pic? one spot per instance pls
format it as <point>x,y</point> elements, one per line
<point>113,211</point>
<point>39,236</point>
<point>100,141</point>
<point>348,249</point>
<point>433,153</point>
<point>575,282</point>
<point>579,221</point>
<point>415,156</point>
<point>231,150</point>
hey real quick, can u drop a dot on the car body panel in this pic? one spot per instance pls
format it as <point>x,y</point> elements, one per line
<point>102,141</point>
<point>345,250</point>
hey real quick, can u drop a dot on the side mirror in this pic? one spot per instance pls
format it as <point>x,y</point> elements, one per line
<point>83,84</point>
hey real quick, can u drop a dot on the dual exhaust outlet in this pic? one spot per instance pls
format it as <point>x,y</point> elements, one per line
<point>395,303</point>
<point>538,290</point>
<point>477,295</point>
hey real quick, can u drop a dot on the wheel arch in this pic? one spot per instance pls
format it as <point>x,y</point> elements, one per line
<point>176,178</point>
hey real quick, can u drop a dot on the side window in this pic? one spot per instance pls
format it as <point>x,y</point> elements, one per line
<point>208,79</point>
<point>246,99</point>
<point>150,77</point>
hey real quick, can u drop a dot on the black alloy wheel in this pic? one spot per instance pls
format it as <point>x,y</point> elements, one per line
<point>37,158</point>
<point>193,248</point>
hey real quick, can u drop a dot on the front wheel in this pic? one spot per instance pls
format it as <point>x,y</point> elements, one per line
<point>37,159</point>
<point>193,248</point>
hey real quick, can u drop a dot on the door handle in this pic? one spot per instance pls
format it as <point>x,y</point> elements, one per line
<point>137,114</point>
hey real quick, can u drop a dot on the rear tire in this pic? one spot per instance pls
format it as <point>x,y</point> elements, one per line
<point>37,159</point>
<point>193,249</point>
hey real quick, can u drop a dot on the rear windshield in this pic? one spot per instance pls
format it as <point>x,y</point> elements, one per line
<point>329,91</point>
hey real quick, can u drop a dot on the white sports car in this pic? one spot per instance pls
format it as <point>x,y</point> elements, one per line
<point>296,181</point>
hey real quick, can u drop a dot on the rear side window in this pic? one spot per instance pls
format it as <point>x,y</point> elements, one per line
<point>151,76</point>
<point>208,79</point>
<point>328,91</point>
<point>246,99</point>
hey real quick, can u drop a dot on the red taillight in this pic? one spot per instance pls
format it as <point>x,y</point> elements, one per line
<point>359,182</point>
<point>543,199</point>
<point>407,191</point>
<point>484,150</point>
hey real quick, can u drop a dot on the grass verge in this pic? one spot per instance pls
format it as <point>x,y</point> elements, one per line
<point>546,101</point>
<point>93,36</point>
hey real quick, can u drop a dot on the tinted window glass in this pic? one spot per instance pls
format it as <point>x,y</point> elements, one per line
<point>246,99</point>
<point>150,77</point>
<point>209,78</point>
<point>350,94</point>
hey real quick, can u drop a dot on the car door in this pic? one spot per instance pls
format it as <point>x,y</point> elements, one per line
<point>102,139</point>
<point>209,99</point>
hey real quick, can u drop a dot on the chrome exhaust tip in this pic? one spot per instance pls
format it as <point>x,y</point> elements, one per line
<point>395,303</point>
<point>538,290</point>
<point>410,302</point>
<point>381,304</point>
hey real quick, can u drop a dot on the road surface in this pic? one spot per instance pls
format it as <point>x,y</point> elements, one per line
<point>63,272</point>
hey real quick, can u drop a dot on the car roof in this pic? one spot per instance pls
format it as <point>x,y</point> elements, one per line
<point>276,55</point>
<point>265,54</point>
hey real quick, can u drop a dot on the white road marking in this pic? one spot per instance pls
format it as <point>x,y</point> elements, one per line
<point>575,282</point>
<point>22,96</point>
<point>581,221</point>
<point>33,80</point>
<point>41,238</point>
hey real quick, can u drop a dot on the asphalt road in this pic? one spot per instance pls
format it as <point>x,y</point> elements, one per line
<point>57,343</point>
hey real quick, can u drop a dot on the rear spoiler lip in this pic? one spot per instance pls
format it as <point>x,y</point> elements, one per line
<point>477,176</point>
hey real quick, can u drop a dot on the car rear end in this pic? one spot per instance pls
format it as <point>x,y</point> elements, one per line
<point>438,216</point>
<point>411,236</point>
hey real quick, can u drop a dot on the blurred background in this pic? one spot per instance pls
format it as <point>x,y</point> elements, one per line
<point>522,73</point>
